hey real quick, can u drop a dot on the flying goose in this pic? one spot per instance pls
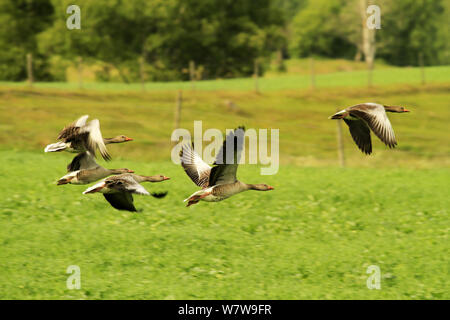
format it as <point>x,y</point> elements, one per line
<point>79,137</point>
<point>118,190</point>
<point>218,182</point>
<point>362,118</point>
<point>84,169</point>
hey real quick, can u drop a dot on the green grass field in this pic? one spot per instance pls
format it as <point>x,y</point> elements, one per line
<point>34,117</point>
<point>312,237</point>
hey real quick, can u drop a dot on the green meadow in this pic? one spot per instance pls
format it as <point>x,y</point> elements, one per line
<point>313,237</point>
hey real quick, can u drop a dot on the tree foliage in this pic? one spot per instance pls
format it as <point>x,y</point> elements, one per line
<point>409,27</point>
<point>21,21</point>
<point>222,37</point>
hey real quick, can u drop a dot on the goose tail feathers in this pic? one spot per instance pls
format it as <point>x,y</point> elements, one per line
<point>55,147</point>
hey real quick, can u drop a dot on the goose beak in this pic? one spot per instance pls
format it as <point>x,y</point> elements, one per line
<point>406,110</point>
<point>269,188</point>
<point>166,178</point>
<point>128,139</point>
<point>130,171</point>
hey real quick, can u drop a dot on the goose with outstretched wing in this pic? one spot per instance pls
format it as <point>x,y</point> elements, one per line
<point>362,118</point>
<point>118,190</point>
<point>218,182</point>
<point>81,136</point>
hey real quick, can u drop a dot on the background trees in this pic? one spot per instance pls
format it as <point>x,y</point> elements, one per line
<point>21,21</point>
<point>410,27</point>
<point>223,37</point>
<point>333,28</point>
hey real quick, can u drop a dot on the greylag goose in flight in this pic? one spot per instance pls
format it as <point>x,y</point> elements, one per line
<point>80,137</point>
<point>362,118</point>
<point>118,190</point>
<point>84,169</point>
<point>218,182</point>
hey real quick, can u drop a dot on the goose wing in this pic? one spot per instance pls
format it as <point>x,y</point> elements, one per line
<point>194,166</point>
<point>95,139</point>
<point>121,200</point>
<point>361,135</point>
<point>73,129</point>
<point>159,195</point>
<point>227,160</point>
<point>375,117</point>
<point>84,160</point>
<point>125,183</point>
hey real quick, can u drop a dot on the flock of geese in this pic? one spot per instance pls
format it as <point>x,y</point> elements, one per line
<point>217,182</point>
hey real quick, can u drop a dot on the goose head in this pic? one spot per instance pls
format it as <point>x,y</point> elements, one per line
<point>396,109</point>
<point>118,139</point>
<point>157,178</point>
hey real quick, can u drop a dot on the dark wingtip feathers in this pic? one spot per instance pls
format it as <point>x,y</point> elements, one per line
<point>159,195</point>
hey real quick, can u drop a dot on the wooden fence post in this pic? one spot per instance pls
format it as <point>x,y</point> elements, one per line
<point>80,72</point>
<point>256,75</point>
<point>142,72</point>
<point>340,143</point>
<point>177,117</point>
<point>422,69</point>
<point>30,69</point>
<point>312,72</point>
<point>192,75</point>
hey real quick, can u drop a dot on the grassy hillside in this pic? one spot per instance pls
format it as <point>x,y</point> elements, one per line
<point>327,76</point>
<point>312,237</point>
<point>32,118</point>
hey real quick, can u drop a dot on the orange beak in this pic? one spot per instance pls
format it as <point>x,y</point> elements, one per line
<point>128,139</point>
<point>166,178</point>
<point>130,171</point>
<point>270,188</point>
<point>406,110</point>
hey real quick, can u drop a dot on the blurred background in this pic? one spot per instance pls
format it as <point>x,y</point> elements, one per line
<point>146,67</point>
<point>222,38</point>
<point>284,64</point>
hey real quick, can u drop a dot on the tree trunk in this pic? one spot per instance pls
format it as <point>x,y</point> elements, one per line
<point>368,40</point>
<point>358,55</point>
